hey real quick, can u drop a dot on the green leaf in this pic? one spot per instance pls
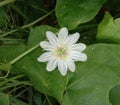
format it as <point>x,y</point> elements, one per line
<point>115,95</point>
<point>7,54</point>
<point>91,82</point>
<point>109,29</point>
<point>72,13</point>
<point>4,99</point>
<point>50,83</point>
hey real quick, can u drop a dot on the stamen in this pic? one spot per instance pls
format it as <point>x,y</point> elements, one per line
<point>61,52</point>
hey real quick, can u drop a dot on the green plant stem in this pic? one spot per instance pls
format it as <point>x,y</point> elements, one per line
<point>23,54</point>
<point>16,101</point>
<point>28,25</point>
<point>7,33</point>
<point>20,93</point>
<point>39,19</point>
<point>48,100</point>
<point>2,3</point>
<point>13,85</point>
<point>15,89</point>
<point>13,78</point>
<point>30,92</point>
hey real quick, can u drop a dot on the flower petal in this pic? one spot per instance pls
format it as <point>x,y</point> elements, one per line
<point>46,46</point>
<point>62,35</point>
<point>52,37</point>
<point>72,39</point>
<point>45,57</point>
<point>78,56</point>
<point>62,67</point>
<point>71,65</point>
<point>51,65</point>
<point>78,47</point>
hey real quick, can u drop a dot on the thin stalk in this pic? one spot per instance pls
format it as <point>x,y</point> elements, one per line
<point>13,78</point>
<point>28,25</point>
<point>48,100</point>
<point>39,19</point>
<point>7,33</point>
<point>30,96</point>
<point>13,90</point>
<point>23,91</point>
<point>13,85</point>
<point>23,54</point>
<point>2,3</point>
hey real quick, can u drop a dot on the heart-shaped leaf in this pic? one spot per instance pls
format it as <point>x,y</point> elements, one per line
<point>72,13</point>
<point>93,79</point>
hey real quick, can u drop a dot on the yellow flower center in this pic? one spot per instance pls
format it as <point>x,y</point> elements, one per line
<point>61,52</point>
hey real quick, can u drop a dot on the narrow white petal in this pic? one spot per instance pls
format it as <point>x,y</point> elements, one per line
<point>71,65</point>
<point>51,65</point>
<point>72,39</point>
<point>51,37</point>
<point>62,67</point>
<point>78,56</point>
<point>46,46</point>
<point>78,47</point>
<point>63,33</point>
<point>45,57</point>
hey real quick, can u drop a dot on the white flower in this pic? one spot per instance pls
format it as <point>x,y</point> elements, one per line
<point>62,51</point>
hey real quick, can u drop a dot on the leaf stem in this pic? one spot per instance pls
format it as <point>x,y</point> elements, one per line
<point>28,25</point>
<point>23,54</point>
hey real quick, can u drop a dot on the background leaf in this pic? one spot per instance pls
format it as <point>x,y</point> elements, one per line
<point>70,14</point>
<point>9,52</point>
<point>115,95</point>
<point>4,99</point>
<point>109,29</point>
<point>91,82</point>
